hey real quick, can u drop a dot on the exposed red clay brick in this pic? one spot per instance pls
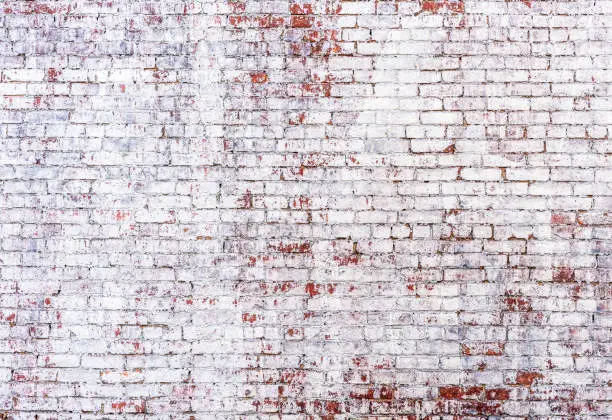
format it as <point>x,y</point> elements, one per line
<point>237,6</point>
<point>250,318</point>
<point>434,6</point>
<point>259,77</point>
<point>498,394</point>
<point>300,9</point>
<point>451,393</point>
<point>246,201</point>
<point>564,275</point>
<point>312,289</point>
<point>561,219</point>
<point>298,248</point>
<point>53,74</point>
<point>381,393</point>
<point>518,304</point>
<point>347,260</point>
<point>527,378</point>
<point>302,21</point>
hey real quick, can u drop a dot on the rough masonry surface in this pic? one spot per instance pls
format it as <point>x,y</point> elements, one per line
<point>305,209</point>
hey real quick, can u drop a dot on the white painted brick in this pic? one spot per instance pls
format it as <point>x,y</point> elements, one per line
<point>279,209</point>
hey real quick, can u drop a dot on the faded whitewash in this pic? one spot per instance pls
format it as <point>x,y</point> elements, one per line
<point>305,209</point>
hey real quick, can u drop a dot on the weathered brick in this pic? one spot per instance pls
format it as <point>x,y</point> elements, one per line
<point>305,209</point>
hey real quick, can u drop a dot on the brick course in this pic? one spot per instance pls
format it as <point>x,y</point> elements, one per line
<point>316,209</point>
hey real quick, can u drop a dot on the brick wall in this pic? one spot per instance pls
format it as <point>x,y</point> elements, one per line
<point>316,209</point>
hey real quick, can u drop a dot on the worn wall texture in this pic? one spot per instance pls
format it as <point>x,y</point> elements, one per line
<point>316,209</point>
